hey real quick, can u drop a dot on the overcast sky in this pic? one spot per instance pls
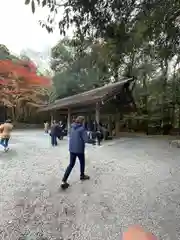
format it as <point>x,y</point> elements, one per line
<point>19,28</point>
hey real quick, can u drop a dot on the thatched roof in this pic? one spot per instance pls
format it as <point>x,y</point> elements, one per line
<point>88,97</point>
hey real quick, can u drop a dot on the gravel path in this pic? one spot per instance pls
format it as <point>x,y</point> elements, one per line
<point>133,180</point>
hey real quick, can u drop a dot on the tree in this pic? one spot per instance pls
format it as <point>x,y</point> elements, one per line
<point>20,85</point>
<point>79,71</point>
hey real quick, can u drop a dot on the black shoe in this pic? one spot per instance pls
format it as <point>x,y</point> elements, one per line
<point>6,149</point>
<point>84,177</point>
<point>64,185</point>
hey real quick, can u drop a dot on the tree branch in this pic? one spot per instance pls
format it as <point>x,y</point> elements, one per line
<point>60,4</point>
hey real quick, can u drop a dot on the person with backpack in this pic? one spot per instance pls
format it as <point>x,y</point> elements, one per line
<point>77,141</point>
<point>5,134</point>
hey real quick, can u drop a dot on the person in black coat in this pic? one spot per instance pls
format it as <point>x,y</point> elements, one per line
<point>55,130</point>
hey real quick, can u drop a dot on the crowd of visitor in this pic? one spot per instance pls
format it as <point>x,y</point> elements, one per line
<point>57,130</point>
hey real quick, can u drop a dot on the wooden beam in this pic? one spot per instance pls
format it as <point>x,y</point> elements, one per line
<point>77,111</point>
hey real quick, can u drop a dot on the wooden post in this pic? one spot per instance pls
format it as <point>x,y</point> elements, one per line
<point>69,120</point>
<point>97,116</point>
<point>117,123</point>
<point>88,119</point>
<point>110,125</point>
<point>52,118</point>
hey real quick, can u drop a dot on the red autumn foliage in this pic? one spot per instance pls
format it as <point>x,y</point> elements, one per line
<point>20,74</point>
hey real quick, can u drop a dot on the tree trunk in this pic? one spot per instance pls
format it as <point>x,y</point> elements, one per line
<point>164,67</point>
<point>179,119</point>
<point>145,100</point>
<point>130,66</point>
<point>116,71</point>
<point>13,113</point>
<point>174,97</point>
<point>145,103</point>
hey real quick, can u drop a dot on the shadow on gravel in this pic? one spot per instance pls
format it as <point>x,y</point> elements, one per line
<point>8,155</point>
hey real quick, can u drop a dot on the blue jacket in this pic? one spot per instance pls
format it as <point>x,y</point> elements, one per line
<point>78,138</point>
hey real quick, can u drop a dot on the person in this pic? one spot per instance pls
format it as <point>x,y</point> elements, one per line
<point>60,132</point>
<point>46,127</point>
<point>54,133</point>
<point>99,137</point>
<point>137,233</point>
<point>78,139</point>
<point>60,124</point>
<point>99,134</point>
<point>5,133</point>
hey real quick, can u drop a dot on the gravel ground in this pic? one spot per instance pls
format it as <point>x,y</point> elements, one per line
<point>133,181</point>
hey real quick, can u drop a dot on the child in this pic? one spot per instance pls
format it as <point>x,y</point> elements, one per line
<point>46,127</point>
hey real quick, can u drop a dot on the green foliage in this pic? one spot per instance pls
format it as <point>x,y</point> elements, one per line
<point>113,38</point>
<point>77,71</point>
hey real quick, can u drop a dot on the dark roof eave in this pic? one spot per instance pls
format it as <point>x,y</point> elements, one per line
<point>92,96</point>
<point>65,107</point>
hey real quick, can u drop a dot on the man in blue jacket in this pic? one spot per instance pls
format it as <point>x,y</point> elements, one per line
<point>77,141</point>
